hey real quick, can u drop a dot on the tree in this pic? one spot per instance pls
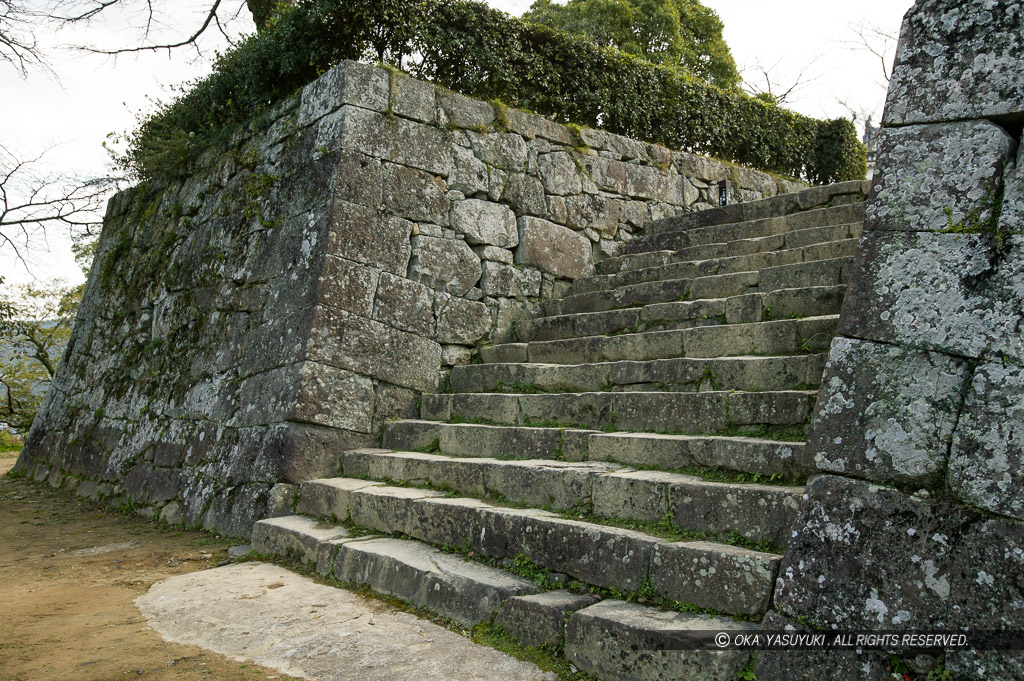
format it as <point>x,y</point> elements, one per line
<point>35,325</point>
<point>33,200</point>
<point>677,33</point>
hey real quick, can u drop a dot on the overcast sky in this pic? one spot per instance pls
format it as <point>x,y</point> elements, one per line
<point>95,95</point>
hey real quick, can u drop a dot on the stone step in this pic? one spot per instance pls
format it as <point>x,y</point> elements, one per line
<point>781,337</point>
<point>830,272</point>
<point>719,577</point>
<point>840,193</point>
<point>813,301</point>
<point>645,450</point>
<point>690,269</point>
<point>758,513</point>
<point>448,584</point>
<point>751,374</point>
<point>752,229</point>
<point>804,238</point>
<point>657,412</point>
<point>624,641</point>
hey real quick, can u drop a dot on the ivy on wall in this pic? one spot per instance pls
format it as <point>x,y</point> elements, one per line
<point>470,48</point>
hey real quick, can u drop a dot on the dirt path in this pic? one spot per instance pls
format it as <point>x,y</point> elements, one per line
<point>69,573</point>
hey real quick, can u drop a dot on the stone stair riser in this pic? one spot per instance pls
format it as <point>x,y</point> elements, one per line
<point>664,452</point>
<point>754,512</point>
<point>706,412</point>
<point>753,374</point>
<point>720,577</point>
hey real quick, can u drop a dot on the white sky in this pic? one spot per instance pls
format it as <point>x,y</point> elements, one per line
<point>97,95</point>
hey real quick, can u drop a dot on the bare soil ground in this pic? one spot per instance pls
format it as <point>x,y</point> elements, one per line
<point>70,571</point>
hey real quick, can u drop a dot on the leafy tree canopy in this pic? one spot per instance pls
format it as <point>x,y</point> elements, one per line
<point>682,33</point>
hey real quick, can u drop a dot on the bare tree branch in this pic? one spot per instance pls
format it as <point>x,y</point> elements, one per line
<point>18,44</point>
<point>33,201</point>
<point>875,41</point>
<point>774,88</point>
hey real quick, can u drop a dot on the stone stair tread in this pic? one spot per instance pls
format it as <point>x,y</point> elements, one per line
<point>754,511</point>
<point>465,591</point>
<point>720,577</point>
<point>801,238</point>
<point>604,639</point>
<point>824,272</point>
<point>747,229</point>
<point>777,337</point>
<point>670,412</point>
<point>689,269</point>
<point>745,372</point>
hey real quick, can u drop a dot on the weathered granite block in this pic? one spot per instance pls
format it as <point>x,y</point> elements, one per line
<point>483,222</point>
<point>358,84</point>
<point>956,293</point>
<point>559,174</point>
<point>411,98</point>
<point>405,305</point>
<point>871,557</point>
<point>958,60</point>
<point>932,177</point>
<point>364,235</point>
<point>554,249</point>
<point>986,467</point>
<point>800,665</point>
<point>505,280</point>
<point>444,264</point>
<point>415,195</point>
<point>539,620</point>
<point>461,321</point>
<point>886,413</point>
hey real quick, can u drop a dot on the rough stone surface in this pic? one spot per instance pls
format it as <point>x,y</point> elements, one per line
<point>954,572</point>
<point>986,468</point>
<point>952,293</point>
<point>615,639</point>
<point>483,222</point>
<point>885,413</point>
<point>553,249</point>
<point>539,620</point>
<point>932,177</point>
<point>270,616</point>
<point>956,61</point>
<point>445,264</point>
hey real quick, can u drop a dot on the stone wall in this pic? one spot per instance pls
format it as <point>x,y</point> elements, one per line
<point>245,325</point>
<point>917,525</point>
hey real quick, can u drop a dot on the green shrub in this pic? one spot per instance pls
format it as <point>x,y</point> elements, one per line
<point>469,48</point>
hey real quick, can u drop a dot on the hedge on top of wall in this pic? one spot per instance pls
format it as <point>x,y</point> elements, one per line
<point>470,48</point>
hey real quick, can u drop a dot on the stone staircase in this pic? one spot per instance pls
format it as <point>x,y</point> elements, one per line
<point>626,475</point>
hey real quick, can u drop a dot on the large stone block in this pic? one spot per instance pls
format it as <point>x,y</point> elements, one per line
<point>958,60</point>
<point>886,413</point>
<point>554,249</point>
<point>961,294</point>
<point>461,321</point>
<point>500,279</point>
<point>347,83</point>
<point>390,138</point>
<point>309,392</point>
<point>405,305</point>
<point>483,222</point>
<point>367,347</point>
<point>807,665</point>
<point>559,174</point>
<point>986,467</point>
<point>348,285</point>
<point>932,177</point>
<point>540,619</point>
<point>448,265</point>
<point>415,195</point>
<point>364,235</point>
<point>871,557</point>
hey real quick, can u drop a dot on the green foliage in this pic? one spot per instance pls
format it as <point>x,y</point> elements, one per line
<point>469,48</point>
<point>9,442</point>
<point>984,219</point>
<point>35,326</point>
<point>683,34</point>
